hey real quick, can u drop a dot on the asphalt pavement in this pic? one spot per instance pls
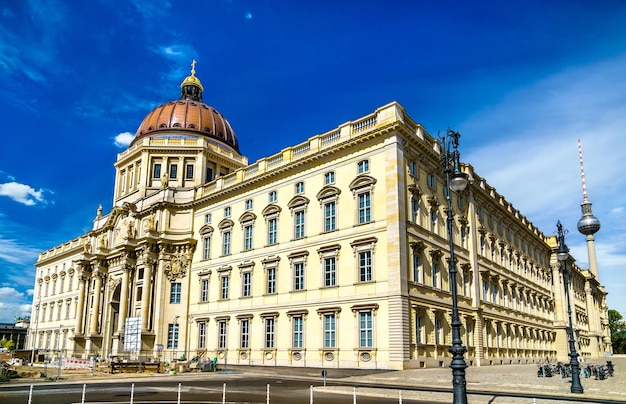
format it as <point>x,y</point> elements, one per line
<point>485,384</point>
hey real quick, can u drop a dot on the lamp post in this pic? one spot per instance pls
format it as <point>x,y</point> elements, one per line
<point>174,337</point>
<point>457,182</point>
<point>562,255</point>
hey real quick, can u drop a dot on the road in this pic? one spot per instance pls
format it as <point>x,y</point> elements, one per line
<point>251,390</point>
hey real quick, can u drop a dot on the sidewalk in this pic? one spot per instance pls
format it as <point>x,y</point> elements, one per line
<point>495,379</point>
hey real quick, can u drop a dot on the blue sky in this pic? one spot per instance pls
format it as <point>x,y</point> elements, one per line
<point>521,81</point>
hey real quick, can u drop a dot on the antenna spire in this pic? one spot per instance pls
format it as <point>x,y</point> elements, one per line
<point>582,170</point>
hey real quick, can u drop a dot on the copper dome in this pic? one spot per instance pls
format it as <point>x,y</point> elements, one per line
<point>188,116</point>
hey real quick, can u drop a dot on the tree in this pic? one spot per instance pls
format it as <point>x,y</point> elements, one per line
<point>618,332</point>
<point>7,343</point>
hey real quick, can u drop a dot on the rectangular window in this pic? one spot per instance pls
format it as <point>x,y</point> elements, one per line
<point>272,231</point>
<point>298,272</point>
<point>329,178</point>
<point>299,224</point>
<point>59,310</point>
<point>69,284</point>
<point>139,291</point>
<point>365,207</point>
<point>363,166</point>
<point>156,173</point>
<point>330,216</point>
<point>173,170</point>
<point>330,272</point>
<point>224,280</point>
<point>204,290</point>
<point>415,208</point>
<point>249,204</point>
<point>365,266</point>
<point>412,168</point>
<point>246,286</point>
<point>271,281</point>
<point>172,336</point>
<point>433,221</point>
<point>244,325</point>
<point>272,196</point>
<point>68,306</point>
<point>417,264</point>
<point>221,334</point>
<point>247,237</point>
<point>466,284</point>
<point>269,332</point>
<point>209,174</point>
<point>485,290</point>
<point>437,329</point>
<point>432,181</point>
<point>330,330</point>
<point>434,273</point>
<point>206,248</point>
<point>189,171</point>
<point>299,187</point>
<point>298,331</point>
<point>207,218</point>
<point>366,331</point>
<point>419,329</point>
<point>175,288</point>
<point>227,211</point>
<point>226,243</point>
<point>202,335</point>
<point>61,284</point>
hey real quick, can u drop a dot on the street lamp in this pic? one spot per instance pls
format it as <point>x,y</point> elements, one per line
<point>457,182</point>
<point>562,255</point>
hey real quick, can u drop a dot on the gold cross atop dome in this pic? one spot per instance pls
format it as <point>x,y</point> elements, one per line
<point>192,80</point>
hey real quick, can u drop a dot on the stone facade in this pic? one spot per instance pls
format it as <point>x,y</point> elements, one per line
<point>331,253</point>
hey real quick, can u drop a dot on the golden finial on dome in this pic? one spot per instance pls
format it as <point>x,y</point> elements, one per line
<point>192,80</point>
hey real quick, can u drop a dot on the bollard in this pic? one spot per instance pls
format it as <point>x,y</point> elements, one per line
<point>311,399</point>
<point>224,394</point>
<point>400,397</point>
<point>82,399</point>
<point>267,398</point>
<point>179,392</point>
<point>30,394</point>
<point>132,393</point>
<point>354,395</point>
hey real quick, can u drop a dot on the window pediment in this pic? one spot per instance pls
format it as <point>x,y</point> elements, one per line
<point>205,230</point>
<point>362,181</point>
<point>298,201</point>
<point>271,209</point>
<point>247,217</point>
<point>225,224</point>
<point>328,191</point>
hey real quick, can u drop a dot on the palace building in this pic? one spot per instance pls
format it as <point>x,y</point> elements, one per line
<point>330,253</point>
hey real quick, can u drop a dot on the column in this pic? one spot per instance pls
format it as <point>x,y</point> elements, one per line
<point>97,296</point>
<point>80,309</point>
<point>146,295</point>
<point>123,299</point>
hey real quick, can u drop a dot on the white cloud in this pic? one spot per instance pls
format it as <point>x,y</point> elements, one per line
<point>13,304</point>
<point>14,252</point>
<point>124,139</point>
<point>22,193</point>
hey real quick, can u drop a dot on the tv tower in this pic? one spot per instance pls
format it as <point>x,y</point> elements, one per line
<point>588,224</point>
